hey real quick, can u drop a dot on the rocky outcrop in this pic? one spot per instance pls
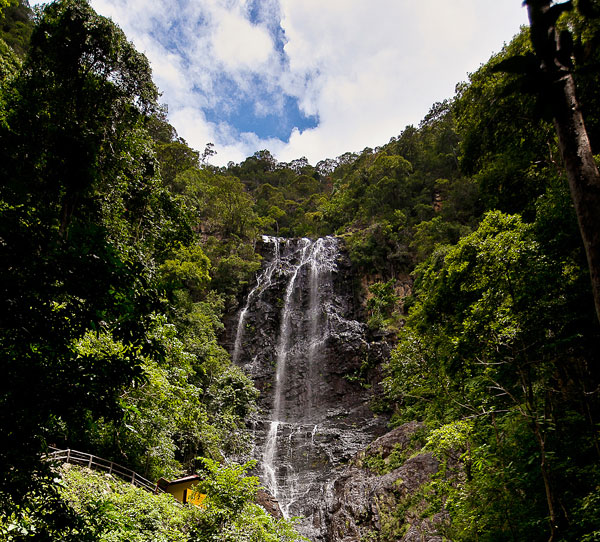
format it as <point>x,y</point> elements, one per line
<point>269,503</point>
<point>377,496</point>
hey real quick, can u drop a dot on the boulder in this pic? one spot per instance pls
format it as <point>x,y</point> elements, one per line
<point>368,503</point>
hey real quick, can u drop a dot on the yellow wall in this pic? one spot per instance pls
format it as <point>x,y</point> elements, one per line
<point>184,493</point>
<point>194,497</point>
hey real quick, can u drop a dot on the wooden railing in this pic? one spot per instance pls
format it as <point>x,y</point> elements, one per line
<point>99,464</point>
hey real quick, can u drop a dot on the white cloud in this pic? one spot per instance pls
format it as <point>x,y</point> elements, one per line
<point>375,67</point>
<point>240,45</point>
<point>364,68</point>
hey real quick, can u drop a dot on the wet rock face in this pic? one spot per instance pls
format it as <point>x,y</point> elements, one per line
<point>268,502</point>
<point>299,336</point>
<point>366,502</point>
<point>325,340</point>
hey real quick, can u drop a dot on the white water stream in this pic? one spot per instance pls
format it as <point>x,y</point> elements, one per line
<point>319,257</point>
<point>263,281</point>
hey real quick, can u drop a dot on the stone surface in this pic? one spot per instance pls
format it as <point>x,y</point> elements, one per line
<point>299,333</point>
<point>269,503</point>
<point>365,502</point>
<point>402,439</point>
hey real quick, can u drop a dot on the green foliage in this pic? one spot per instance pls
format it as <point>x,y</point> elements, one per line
<point>121,249</point>
<point>163,412</point>
<point>229,514</point>
<point>91,239</point>
<point>590,509</point>
<point>15,30</point>
<point>227,393</point>
<point>111,510</point>
<point>397,202</point>
<point>496,354</point>
<point>380,247</point>
<point>227,486</point>
<point>175,158</point>
<point>79,107</point>
<point>42,514</point>
<point>191,401</point>
<point>16,25</point>
<point>450,438</point>
<point>70,271</point>
<point>115,511</point>
<point>219,207</point>
<point>220,203</point>
<point>376,462</point>
<point>287,196</point>
<point>430,234</point>
<point>234,264</point>
<point>484,300</point>
<point>373,190</point>
<point>503,155</point>
<point>9,67</point>
<point>382,305</point>
<point>187,268</point>
<point>486,340</point>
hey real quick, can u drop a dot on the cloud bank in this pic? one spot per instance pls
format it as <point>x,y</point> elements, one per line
<point>307,77</point>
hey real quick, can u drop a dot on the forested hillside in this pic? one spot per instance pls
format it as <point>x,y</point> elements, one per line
<point>121,249</point>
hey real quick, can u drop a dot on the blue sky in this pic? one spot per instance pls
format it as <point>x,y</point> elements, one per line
<point>313,78</point>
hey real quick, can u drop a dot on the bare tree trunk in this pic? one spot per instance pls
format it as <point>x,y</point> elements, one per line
<point>582,172</point>
<point>546,478</point>
<point>553,52</point>
<point>66,213</point>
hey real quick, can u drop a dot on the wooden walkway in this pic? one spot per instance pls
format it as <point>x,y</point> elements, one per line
<point>97,463</point>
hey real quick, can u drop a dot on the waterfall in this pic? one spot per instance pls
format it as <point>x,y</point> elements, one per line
<point>319,257</point>
<point>322,264</point>
<point>298,338</point>
<point>286,328</point>
<point>263,281</point>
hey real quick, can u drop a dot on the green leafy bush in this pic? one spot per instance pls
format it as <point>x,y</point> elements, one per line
<point>382,305</point>
<point>114,511</point>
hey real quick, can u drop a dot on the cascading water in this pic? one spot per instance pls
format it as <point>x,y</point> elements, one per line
<point>263,281</point>
<point>297,338</point>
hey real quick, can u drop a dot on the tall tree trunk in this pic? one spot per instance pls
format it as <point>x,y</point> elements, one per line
<point>574,144</point>
<point>553,519</point>
<point>582,172</point>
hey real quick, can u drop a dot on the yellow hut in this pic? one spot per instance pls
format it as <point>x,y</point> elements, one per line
<point>183,489</point>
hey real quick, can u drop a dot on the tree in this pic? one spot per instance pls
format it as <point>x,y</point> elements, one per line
<point>115,511</point>
<point>84,88</point>
<point>16,25</point>
<point>80,213</point>
<point>4,4</point>
<point>553,51</point>
<point>496,337</point>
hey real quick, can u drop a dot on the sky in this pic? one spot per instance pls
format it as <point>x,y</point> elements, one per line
<point>308,78</point>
